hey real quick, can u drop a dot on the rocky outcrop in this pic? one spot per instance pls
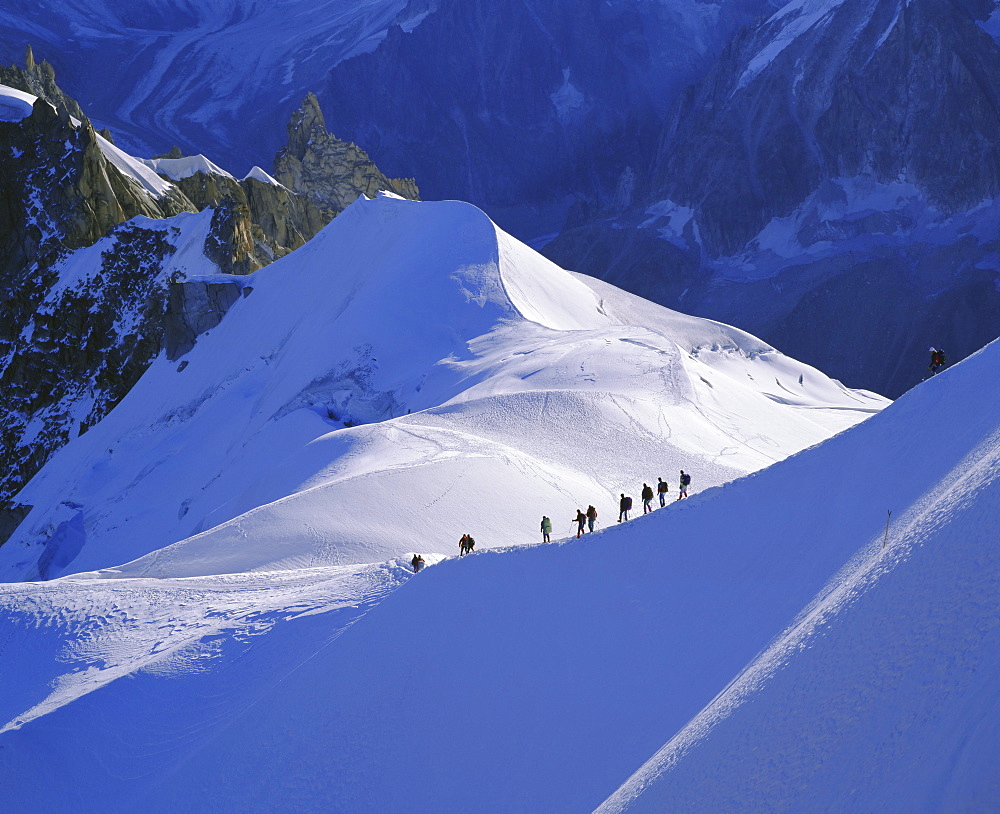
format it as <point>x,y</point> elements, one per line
<point>286,220</point>
<point>330,172</point>
<point>76,346</point>
<point>194,307</point>
<point>39,79</point>
<point>256,222</point>
<point>230,244</point>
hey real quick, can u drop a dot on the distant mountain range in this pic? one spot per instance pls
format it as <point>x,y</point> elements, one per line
<point>822,173</point>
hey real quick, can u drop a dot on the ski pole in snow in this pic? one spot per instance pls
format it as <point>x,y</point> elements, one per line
<point>886,538</point>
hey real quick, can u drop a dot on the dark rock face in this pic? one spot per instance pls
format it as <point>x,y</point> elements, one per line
<point>78,348</point>
<point>330,172</point>
<point>73,343</point>
<point>285,219</point>
<point>193,308</point>
<point>840,172</point>
<point>890,90</point>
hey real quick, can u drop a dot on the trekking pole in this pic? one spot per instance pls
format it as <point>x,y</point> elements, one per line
<point>886,538</point>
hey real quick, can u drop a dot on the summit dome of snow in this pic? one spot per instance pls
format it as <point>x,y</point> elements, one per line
<point>412,355</point>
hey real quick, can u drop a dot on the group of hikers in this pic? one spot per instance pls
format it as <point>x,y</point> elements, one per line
<point>465,546</point>
<point>587,520</point>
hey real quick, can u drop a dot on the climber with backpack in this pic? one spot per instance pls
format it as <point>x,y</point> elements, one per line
<point>624,507</point>
<point>591,518</point>
<point>580,520</point>
<point>685,483</point>
<point>661,490</point>
<point>647,498</point>
<point>417,562</point>
<point>546,529</point>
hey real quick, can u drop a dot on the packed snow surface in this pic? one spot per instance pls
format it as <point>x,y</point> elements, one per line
<point>235,540</point>
<point>410,375</point>
<point>257,174</point>
<point>770,635</point>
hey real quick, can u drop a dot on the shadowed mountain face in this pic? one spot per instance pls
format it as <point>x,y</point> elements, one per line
<point>830,186</point>
<point>523,108</point>
<point>890,90</point>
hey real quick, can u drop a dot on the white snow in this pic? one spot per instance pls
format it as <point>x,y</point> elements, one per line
<point>15,105</point>
<point>992,25</point>
<point>676,216</point>
<point>135,168</point>
<point>259,175</point>
<point>176,169</point>
<point>755,647</point>
<point>760,631</point>
<point>567,99</point>
<point>414,356</point>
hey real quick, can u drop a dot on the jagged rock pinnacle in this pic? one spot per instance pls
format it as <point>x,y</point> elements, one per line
<point>331,172</point>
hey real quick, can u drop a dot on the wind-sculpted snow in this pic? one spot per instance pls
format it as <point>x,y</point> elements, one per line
<point>769,632</point>
<point>167,628</point>
<point>410,375</point>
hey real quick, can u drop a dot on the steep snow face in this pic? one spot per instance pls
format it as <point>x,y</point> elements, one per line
<point>412,374</point>
<point>883,693</point>
<point>849,668</point>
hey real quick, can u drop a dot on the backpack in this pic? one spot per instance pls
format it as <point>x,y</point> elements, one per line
<point>647,492</point>
<point>685,479</point>
<point>628,503</point>
<point>469,543</point>
<point>591,513</point>
<point>661,487</point>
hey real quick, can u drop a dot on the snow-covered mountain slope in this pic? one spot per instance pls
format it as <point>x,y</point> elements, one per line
<point>409,375</point>
<point>846,674</point>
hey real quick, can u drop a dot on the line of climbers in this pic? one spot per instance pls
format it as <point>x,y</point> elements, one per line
<point>586,520</point>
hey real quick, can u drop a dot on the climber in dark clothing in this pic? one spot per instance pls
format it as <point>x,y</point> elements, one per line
<point>647,498</point>
<point>624,507</point>
<point>937,360</point>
